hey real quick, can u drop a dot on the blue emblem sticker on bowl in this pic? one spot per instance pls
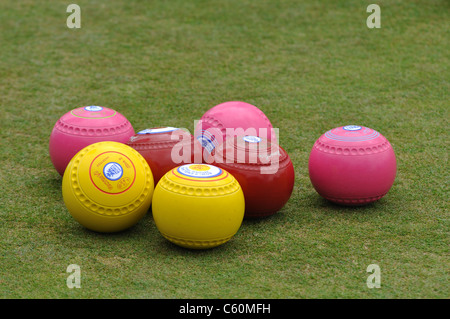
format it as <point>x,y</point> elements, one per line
<point>113,171</point>
<point>199,170</point>
<point>208,141</point>
<point>252,139</point>
<point>352,127</point>
<point>93,108</point>
<point>158,130</point>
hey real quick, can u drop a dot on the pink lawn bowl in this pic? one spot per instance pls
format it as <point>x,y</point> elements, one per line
<point>352,165</point>
<point>232,119</point>
<point>84,126</point>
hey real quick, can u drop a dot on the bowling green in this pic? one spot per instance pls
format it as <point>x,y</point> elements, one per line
<point>308,65</point>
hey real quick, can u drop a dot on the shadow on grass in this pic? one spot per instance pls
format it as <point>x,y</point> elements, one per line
<point>250,221</point>
<point>383,205</point>
<point>142,230</point>
<point>85,233</point>
<point>322,202</point>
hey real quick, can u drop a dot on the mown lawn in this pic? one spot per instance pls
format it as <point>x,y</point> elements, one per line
<point>309,65</point>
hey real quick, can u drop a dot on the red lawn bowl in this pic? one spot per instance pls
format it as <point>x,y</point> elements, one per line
<point>263,169</point>
<point>165,148</point>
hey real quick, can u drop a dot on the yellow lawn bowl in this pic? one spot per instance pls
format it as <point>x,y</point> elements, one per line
<point>198,206</point>
<point>108,187</point>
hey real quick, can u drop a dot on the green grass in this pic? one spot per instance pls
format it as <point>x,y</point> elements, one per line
<point>309,65</point>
